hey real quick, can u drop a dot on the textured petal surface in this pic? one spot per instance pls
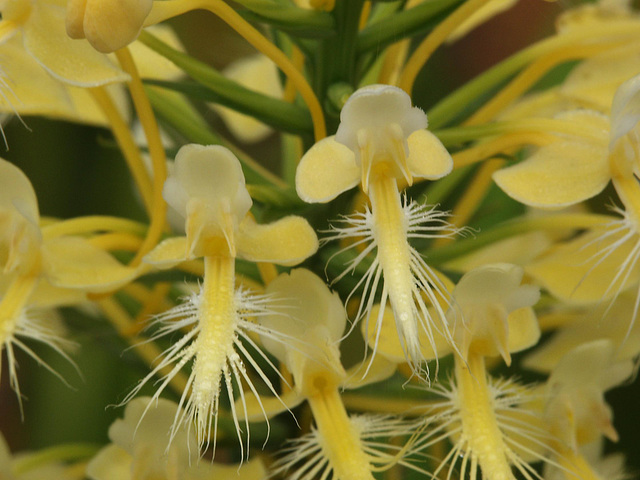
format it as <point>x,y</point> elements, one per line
<point>524,331</point>
<point>27,88</point>
<point>325,171</point>
<point>427,156</point>
<point>71,61</point>
<point>168,253</point>
<point>113,24</point>
<point>72,262</point>
<point>287,241</point>
<point>557,175</point>
<point>573,271</point>
<point>388,341</point>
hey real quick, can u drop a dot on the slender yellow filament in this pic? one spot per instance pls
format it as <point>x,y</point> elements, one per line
<point>117,241</point>
<point>470,200</point>
<point>532,74</point>
<point>126,143</point>
<point>148,351</point>
<point>395,56</point>
<point>164,10</point>
<point>90,224</point>
<point>297,58</point>
<point>340,442</point>
<point>438,35</point>
<point>501,144</point>
<point>364,15</point>
<point>268,272</point>
<point>156,151</point>
<point>480,430</point>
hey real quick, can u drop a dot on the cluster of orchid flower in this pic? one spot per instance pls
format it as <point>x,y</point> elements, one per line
<point>381,354</point>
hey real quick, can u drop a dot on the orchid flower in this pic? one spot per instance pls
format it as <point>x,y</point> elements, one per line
<point>32,260</point>
<point>207,188</point>
<point>139,449</point>
<point>342,446</point>
<point>382,144</point>
<point>488,420</point>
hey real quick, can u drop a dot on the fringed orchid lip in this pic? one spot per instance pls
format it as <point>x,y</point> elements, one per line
<point>207,187</point>
<point>381,143</point>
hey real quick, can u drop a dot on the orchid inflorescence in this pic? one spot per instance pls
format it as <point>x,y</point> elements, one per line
<point>374,310</point>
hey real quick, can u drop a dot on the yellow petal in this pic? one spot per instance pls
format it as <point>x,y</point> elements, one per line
<point>72,262</point>
<point>111,463</point>
<point>70,61</point>
<point>325,171</point>
<point>378,369</point>
<point>519,250</point>
<point>388,341</point>
<point>30,90</point>
<point>427,156</point>
<point>168,253</point>
<point>596,79</point>
<point>524,331</point>
<point>287,241</point>
<point>573,272</point>
<point>557,175</point>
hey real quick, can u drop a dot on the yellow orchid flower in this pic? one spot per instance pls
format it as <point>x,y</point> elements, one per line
<point>382,143</point>
<point>576,412</point>
<point>341,446</point>
<point>41,25</point>
<point>208,189</point>
<point>601,263</point>
<point>29,89</point>
<point>584,324</point>
<point>29,259</point>
<point>491,432</point>
<point>139,449</point>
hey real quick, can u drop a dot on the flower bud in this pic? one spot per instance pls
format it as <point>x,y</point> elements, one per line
<point>108,25</point>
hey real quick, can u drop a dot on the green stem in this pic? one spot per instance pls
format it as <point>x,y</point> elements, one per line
<point>215,87</point>
<point>404,24</point>
<point>300,22</point>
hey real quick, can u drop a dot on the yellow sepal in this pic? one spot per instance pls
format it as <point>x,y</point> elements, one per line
<point>574,273</point>
<point>427,156</point>
<point>72,262</point>
<point>71,61</point>
<point>287,241</point>
<point>325,171</point>
<point>557,175</point>
<point>169,253</point>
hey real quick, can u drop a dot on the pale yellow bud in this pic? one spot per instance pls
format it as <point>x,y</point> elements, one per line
<point>108,25</point>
